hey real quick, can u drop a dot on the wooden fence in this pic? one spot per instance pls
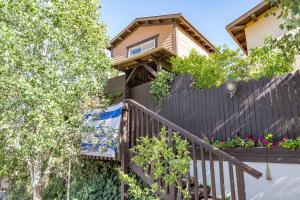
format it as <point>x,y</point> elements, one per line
<point>266,105</point>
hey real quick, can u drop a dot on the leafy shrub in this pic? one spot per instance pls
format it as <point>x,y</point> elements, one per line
<point>90,180</point>
<point>167,162</point>
<point>268,61</point>
<point>161,86</point>
<point>137,190</point>
<point>215,69</point>
<point>212,70</point>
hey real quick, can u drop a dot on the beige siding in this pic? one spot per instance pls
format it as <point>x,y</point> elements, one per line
<point>165,38</point>
<point>257,31</point>
<point>264,26</point>
<point>185,44</point>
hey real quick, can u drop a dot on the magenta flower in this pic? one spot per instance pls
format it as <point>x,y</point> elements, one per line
<point>265,142</point>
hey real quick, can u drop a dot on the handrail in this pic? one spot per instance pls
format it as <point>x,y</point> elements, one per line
<point>198,140</point>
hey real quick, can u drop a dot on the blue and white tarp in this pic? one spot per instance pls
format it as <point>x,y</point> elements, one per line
<point>103,138</point>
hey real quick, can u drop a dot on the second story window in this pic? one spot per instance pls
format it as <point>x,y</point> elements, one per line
<point>145,46</point>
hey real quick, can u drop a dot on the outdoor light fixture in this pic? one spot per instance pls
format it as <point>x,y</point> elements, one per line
<point>231,87</point>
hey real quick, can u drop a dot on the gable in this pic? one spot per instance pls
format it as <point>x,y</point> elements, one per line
<point>162,33</point>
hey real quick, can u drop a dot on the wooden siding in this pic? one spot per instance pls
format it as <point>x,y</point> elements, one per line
<point>165,38</point>
<point>266,105</point>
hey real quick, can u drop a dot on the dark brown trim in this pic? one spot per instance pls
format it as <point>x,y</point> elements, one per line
<point>174,39</point>
<point>157,24</point>
<point>276,155</point>
<point>143,41</point>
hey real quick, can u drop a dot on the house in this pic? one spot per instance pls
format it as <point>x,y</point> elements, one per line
<point>146,45</point>
<point>250,29</point>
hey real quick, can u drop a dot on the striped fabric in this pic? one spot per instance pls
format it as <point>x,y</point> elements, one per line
<point>102,139</point>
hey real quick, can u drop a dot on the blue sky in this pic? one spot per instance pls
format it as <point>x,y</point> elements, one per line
<point>209,16</point>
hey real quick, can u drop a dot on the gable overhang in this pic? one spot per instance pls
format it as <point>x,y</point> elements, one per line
<point>177,19</point>
<point>237,28</point>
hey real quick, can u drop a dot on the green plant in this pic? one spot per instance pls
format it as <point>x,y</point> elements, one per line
<point>249,143</point>
<point>289,12</point>
<point>91,179</point>
<point>290,143</point>
<point>136,190</point>
<point>216,68</point>
<point>268,61</point>
<point>161,86</point>
<point>166,162</point>
<point>235,142</point>
<point>52,59</point>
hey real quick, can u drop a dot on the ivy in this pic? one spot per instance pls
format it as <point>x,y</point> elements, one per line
<point>161,86</point>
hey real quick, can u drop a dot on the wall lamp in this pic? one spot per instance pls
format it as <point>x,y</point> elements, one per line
<point>231,87</point>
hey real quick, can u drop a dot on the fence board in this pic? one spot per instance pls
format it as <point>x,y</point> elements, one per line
<point>271,105</point>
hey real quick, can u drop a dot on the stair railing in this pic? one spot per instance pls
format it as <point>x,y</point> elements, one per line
<point>138,121</point>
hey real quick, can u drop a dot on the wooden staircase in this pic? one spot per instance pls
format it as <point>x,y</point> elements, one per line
<point>139,121</point>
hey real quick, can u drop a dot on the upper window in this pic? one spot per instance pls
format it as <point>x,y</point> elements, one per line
<point>142,47</point>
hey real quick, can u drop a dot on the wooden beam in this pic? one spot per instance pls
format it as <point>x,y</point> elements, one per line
<point>238,28</point>
<point>240,34</point>
<point>159,66</point>
<point>131,75</point>
<point>150,69</point>
<point>120,38</point>
<point>128,30</point>
<point>253,17</point>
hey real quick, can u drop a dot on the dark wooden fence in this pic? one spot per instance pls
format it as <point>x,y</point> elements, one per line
<point>266,105</point>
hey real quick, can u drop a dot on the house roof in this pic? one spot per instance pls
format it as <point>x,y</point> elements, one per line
<point>164,19</point>
<point>237,28</point>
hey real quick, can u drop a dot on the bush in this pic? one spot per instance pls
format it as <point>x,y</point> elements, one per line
<point>161,86</point>
<point>215,69</point>
<point>90,180</point>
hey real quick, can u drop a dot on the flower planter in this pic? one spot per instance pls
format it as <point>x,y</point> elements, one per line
<point>262,154</point>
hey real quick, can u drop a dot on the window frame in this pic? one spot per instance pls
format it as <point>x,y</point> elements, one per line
<point>140,43</point>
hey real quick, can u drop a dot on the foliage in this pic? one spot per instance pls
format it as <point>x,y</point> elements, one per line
<point>91,179</point>
<point>290,12</point>
<point>160,87</point>
<point>290,143</point>
<point>52,59</point>
<point>215,69</point>
<point>166,162</point>
<point>268,61</point>
<point>205,72</point>
<point>136,191</point>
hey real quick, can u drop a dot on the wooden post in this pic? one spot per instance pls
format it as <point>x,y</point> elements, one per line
<point>124,155</point>
<point>240,183</point>
<point>127,89</point>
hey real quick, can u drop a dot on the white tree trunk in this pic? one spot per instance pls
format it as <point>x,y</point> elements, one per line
<point>36,179</point>
<point>69,180</point>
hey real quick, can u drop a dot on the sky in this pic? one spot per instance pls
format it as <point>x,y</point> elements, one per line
<point>210,17</point>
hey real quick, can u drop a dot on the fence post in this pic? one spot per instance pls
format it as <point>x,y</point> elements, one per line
<point>124,146</point>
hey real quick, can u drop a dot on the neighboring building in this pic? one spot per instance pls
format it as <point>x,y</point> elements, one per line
<point>146,45</point>
<point>250,29</point>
